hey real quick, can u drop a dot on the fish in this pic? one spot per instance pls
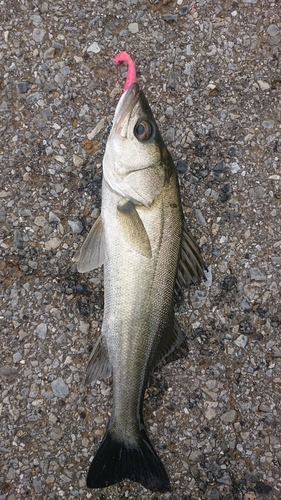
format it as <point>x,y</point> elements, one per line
<point>148,254</point>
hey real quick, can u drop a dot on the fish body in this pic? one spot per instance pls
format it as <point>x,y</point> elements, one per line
<point>141,239</point>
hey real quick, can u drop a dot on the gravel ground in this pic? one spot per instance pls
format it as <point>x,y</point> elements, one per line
<point>211,72</point>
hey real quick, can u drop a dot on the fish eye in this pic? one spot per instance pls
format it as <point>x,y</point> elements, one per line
<point>143,130</point>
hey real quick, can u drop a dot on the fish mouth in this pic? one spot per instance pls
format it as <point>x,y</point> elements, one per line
<point>124,109</point>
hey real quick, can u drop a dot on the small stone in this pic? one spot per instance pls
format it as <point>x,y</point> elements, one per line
<point>94,48</point>
<point>268,124</point>
<point>2,214</point>
<point>170,18</point>
<point>34,97</point>
<point>4,106</point>
<point>181,167</point>
<point>200,218</point>
<point>211,409</point>
<point>59,388</point>
<point>38,35</point>
<point>263,85</point>
<point>37,485</point>
<point>214,494</point>
<point>229,417</point>
<point>170,135</point>
<point>241,341</point>
<point>53,217</point>
<point>36,19</point>
<point>272,30</point>
<point>41,331</point>
<point>172,80</point>
<point>8,373</point>
<point>225,479</point>
<point>257,192</point>
<point>52,244</point>
<point>169,111</point>
<point>97,129</point>
<point>49,53</point>
<point>65,70</point>
<point>84,327</point>
<point>25,212</point>
<point>234,167</point>
<point>76,226</point>
<point>196,456</point>
<point>77,161</point>
<point>189,50</point>
<point>250,495</point>
<point>40,221</point>
<point>44,7</point>
<point>22,87</point>
<point>133,27</point>
<point>17,357</point>
<point>256,274</point>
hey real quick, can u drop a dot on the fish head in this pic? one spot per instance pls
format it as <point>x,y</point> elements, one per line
<point>137,164</point>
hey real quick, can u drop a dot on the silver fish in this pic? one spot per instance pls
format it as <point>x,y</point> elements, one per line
<point>147,253</point>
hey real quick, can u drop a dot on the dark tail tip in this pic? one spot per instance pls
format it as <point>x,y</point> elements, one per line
<point>115,461</point>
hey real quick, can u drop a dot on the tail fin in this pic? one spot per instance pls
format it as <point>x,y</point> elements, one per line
<point>115,461</point>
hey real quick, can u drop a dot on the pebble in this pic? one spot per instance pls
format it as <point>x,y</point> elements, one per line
<point>200,218</point>
<point>22,87</point>
<point>52,244</point>
<point>40,221</point>
<point>94,48</point>
<point>41,331</point>
<point>263,85</point>
<point>273,30</point>
<point>181,166</point>
<point>53,217</point>
<point>84,327</point>
<point>133,27</point>
<point>38,35</point>
<point>2,214</point>
<point>3,106</point>
<point>170,134</point>
<point>59,388</point>
<point>76,226</point>
<point>257,274</point>
<point>229,417</point>
<point>211,409</point>
<point>241,341</point>
<point>8,373</point>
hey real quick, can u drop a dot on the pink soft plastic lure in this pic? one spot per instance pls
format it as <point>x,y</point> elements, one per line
<point>131,75</point>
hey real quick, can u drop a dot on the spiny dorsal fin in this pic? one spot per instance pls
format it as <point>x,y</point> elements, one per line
<point>191,265</point>
<point>92,253</point>
<point>133,229</point>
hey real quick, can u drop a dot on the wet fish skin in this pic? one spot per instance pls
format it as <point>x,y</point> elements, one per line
<point>141,239</point>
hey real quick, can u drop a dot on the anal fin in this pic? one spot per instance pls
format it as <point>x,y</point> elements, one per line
<point>98,366</point>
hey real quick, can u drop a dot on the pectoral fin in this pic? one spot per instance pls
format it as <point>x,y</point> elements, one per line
<point>191,265</point>
<point>92,251</point>
<point>98,365</point>
<point>133,229</point>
